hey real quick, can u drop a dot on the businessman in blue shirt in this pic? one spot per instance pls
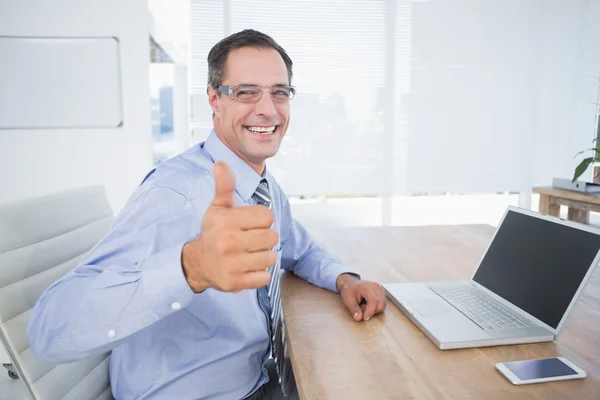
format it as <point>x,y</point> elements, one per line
<point>176,289</point>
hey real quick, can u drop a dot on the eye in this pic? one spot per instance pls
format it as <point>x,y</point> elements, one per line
<point>247,93</point>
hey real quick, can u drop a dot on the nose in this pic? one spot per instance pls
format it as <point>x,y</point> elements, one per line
<point>265,106</point>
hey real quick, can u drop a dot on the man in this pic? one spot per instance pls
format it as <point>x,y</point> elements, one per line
<point>179,289</point>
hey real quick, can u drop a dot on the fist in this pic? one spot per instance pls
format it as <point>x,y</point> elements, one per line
<point>235,246</point>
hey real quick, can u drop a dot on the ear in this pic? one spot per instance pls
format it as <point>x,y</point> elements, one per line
<point>213,100</point>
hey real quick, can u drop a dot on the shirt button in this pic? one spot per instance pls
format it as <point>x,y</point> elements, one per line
<point>111,333</point>
<point>175,305</point>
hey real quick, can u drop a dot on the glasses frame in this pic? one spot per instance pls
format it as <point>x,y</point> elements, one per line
<point>230,90</point>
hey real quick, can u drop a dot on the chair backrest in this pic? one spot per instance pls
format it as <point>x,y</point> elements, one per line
<point>41,239</point>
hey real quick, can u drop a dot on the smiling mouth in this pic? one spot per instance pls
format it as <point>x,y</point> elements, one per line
<point>262,130</point>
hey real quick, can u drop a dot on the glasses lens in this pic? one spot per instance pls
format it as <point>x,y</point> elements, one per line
<point>247,93</point>
<point>281,93</point>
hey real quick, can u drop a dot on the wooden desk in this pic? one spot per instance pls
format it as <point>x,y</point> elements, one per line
<point>389,357</point>
<point>580,204</point>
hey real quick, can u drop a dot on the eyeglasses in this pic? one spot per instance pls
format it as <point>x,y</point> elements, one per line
<point>252,93</point>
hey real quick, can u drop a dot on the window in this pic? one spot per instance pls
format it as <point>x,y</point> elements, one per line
<point>399,97</point>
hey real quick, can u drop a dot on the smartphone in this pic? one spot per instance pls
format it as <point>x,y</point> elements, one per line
<point>540,370</point>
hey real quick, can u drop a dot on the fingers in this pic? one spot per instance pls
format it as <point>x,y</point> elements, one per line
<point>365,300</point>
<point>224,185</point>
<point>252,274</point>
<point>382,299</point>
<point>253,280</point>
<point>250,217</point>
<point>372,303</point>
<point>376,301</point>
<point>353,306</point>
<point>259,239</point>
<point>257,261</point>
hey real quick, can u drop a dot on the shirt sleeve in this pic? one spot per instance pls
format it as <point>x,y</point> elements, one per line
<point>129,280</point>
<point>305,257</point>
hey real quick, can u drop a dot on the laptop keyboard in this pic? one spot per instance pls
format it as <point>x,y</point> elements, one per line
<point>480,308</point>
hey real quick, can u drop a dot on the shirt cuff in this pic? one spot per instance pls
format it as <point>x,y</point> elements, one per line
<point>333,272</point>
<point>164,284</point>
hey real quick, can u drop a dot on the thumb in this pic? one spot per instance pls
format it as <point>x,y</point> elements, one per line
<point>354,307</point>
<point>224,185</point>
<point>357,314</point>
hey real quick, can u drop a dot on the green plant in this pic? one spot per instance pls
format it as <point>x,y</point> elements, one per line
<point>585,163</point>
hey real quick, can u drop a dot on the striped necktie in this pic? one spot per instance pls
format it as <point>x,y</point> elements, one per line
<point>263,198</point>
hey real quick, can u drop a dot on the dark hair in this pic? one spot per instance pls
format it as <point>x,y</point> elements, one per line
<point>217,57</point>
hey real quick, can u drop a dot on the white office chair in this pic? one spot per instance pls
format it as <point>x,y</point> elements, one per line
<point>41,239</point>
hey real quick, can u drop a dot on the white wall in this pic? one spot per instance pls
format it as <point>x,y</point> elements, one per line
<point>42,161</point>
<point>503,94</point>
<point>567,87</point>
<point>170,27</point>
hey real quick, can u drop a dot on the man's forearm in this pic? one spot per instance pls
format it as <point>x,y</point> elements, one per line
<point>306,258</point>
<point>90,312</point>
<point>321,268</point>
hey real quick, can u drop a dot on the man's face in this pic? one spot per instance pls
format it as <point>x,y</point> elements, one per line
<point>246,128</point>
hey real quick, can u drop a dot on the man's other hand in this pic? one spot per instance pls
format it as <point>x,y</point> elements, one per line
<point>235,247</point>
<point>362,298</point>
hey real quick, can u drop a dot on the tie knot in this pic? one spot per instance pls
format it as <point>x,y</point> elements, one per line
<point>262,195</point>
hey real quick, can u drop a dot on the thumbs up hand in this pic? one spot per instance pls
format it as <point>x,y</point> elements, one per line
<point>234,248</point>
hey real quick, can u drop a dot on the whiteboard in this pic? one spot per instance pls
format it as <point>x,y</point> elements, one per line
<point>60,82</point>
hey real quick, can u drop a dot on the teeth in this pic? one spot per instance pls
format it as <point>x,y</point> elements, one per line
<point>261,129</point>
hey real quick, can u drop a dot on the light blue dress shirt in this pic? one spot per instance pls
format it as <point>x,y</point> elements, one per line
<point>129,294</point>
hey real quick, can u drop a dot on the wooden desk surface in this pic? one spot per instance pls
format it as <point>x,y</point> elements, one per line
<point>389,357</point>
<point>569,195</point>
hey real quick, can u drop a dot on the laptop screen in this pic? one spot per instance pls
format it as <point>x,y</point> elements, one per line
<point>537,264</point>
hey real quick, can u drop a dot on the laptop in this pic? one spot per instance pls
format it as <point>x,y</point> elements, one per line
<point>523,290</point>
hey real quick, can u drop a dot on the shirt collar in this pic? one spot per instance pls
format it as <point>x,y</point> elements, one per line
<point>246,178</point>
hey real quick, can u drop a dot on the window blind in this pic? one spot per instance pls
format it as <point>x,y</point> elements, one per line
<point>398,96</point>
